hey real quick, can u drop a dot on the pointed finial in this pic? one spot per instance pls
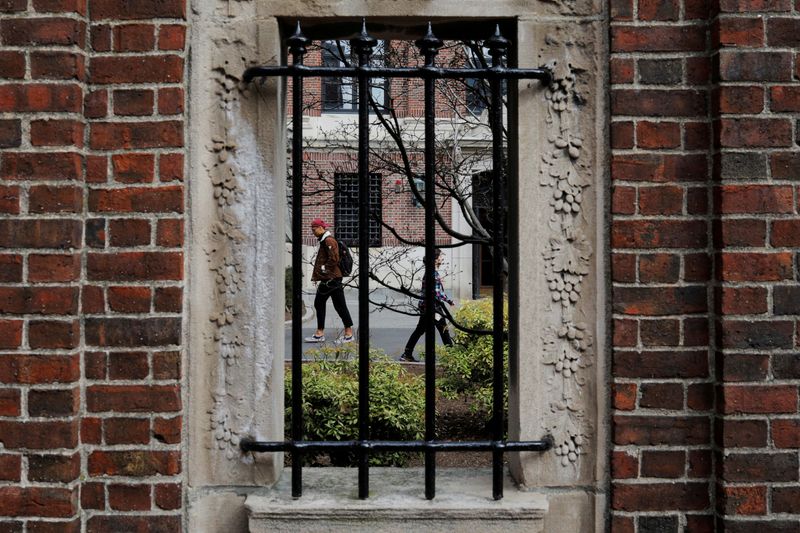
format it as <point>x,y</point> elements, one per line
<point>429,45</point>
<point>297,42</point>
<point>497,45</point>
<point>363,44</point>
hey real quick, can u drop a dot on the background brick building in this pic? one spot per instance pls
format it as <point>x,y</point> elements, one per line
<point>705,425</point>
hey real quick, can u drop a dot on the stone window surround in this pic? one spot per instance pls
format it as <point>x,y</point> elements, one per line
<point>235,383</point>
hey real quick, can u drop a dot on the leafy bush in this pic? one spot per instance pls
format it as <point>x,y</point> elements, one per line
<point>466,366</point>
<point>330,403</point>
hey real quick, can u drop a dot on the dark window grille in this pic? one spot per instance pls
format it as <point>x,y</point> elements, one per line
<point>363,45</point>
<point>345,210</point>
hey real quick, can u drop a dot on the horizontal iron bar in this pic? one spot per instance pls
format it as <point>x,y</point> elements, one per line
<point>398,446</point>
<point>399,72</point>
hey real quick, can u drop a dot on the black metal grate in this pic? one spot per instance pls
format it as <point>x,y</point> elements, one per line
<point>345,211</point>
<point>363,46</point>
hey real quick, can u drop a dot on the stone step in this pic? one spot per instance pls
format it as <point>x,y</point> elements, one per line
<point>396,504</point>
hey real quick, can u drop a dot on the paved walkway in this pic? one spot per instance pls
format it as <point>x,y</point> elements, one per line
<point>389,330</point>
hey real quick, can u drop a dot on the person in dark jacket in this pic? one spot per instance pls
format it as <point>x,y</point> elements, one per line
<point>328,276</point>
<point>440,298</point>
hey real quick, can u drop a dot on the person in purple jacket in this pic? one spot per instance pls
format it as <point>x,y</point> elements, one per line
<point>440,298</point>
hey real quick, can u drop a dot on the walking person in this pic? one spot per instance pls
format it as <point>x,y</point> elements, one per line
<point>440,298</point>
<point>328,276</point>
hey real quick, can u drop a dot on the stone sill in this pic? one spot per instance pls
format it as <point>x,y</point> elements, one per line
<point>396,504</point>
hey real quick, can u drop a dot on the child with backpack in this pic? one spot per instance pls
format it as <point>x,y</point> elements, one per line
<point>328,273</point>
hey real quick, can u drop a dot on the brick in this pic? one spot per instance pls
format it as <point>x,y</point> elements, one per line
<point>52,199</point>
<point>128,365</point>
<point>170,167</point>
<point>73,526</point>
<point>660,71</point>
<point>38,435</point>
<point>35,369</point>
<point>751,133</point>
<point>697,136</point>
<point>42,31</point>
<point>754,267</point>
<point>96,232</point>
<point>134,37</point>
<point>729,233</point>
<point>41,166</point>
<point>659,234</point>
<point>167,430</point>
<point>683,38</point>
<point>663,464</point>
<point>93,496</point>
<point>621,69</point>
<point>746,6</point>
<point>95,365</point>
<point>60,6</point>
<point>659,168</point>
<point>129,497</point>
<point>168,199</point>
<point>113,136</point>
<point>170,101</point>
<point>658,135</point>
<point>40,97</point>
<point>10,268</point>
<point>9,202</point>
<point>783,32</point>
<point>168,496</point>
<point>770,525</point>
<point>92,299</point>
<point>10,333</point>
<point>623,268</point>
<point>133,398</point>
<point>655,10</point>
<point>10,133</point>
<point>133,168</point>
<point>786,366</point>
<point>700,397</point>
<point>699,463</point>
<point>96,104</point>
<point>786,433</point>
<point>755,467</point>
<point>136,69</point>
<point>53,334</point>
<point>659,332</point>
<point>743,500</point>
<point>699,523</point>
<point>695,331</point>
<point>126,332</point>
<point>622,135</point>
<point>749,334</point>
<point>104,523</point>
<point>755,66</point>
<point>658,102</point>
<point>56,133</point>
<point>624,396</point>
<point>622,524</point>
<point>134,463</point>
<point>662,396</point>
<point>743,300</point>
<point>171,37</point>
<point>785,233</point>
<point>141,9</point>
<point>786,500</point>
<point>660,200</point>
<point>786,300</point>
<point>655,301</point>
<point>658,430</point>
<point>739,99</point>
<point>759,399</point>
<point>54,468</point>
<point>657,524</point>
<point>91,430</point>
<point>786,99</point>
<point>12,64</point>
<point>167,365</point>
<point>10,467</point>
<point>623,200</point>
<point>9,406</point>
<point>624,465</point>
<point>53,267</point>
<point>168,299</point>
<point>38,501</point>
<point>58,66</point>
<point>53,403</point>
<point>129,232</point>
<point>39,300</point>
<point>740,165</point>
<point>134,266</point>
<point>741,433</point>
<point>126,430</point>
<point>740,31</point>
<point>169,233</point>
<point>133,102</point>
<point>660,496</point>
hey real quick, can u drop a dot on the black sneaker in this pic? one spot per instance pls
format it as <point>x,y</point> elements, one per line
<point>408,358</point>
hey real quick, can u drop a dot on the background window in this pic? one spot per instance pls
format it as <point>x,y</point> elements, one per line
<point>341,94</point>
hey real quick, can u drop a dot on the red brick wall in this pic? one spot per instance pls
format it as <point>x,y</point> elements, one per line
<point>91,264</point>
<point>705,161</point>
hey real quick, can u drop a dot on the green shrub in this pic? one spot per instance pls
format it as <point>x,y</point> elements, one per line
<point>330,403</point>
<point>466,367</point>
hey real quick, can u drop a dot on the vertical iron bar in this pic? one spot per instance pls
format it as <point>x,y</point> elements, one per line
<point>429,46</point>
<point>297,46</point>
<point>497,45</point>
<point>363,45</point>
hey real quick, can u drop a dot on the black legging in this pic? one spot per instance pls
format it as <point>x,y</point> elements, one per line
<point>331,289</point>
<point>441,325</point>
